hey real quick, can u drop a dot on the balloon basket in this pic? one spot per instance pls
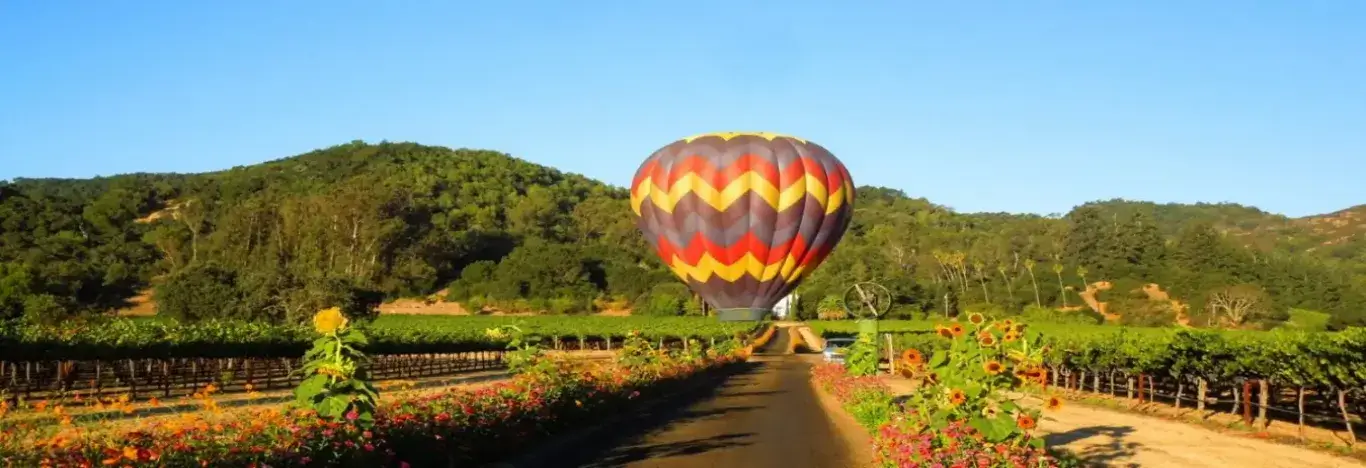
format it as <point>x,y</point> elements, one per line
<point>741,315</point>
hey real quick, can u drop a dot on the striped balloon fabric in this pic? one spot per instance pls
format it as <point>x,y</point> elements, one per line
<point>742,217</point>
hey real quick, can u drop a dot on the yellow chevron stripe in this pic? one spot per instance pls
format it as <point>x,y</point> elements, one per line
<point>708,266</point>
<point>727,136</point>
<point>639,193</point>
<point>797,191</point>
<point>837,199</point>
<point>724,198</point>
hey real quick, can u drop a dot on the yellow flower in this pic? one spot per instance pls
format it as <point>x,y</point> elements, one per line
<point>976,318</point>
<point>957,397</point>
<point>992,367</point>
<point>329,321</point>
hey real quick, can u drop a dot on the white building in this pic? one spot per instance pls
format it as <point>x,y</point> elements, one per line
<point>785,304</point>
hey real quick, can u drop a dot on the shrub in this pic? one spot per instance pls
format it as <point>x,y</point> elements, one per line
<point>831,308</point>
<point>661,305</point>
<point>199,293</point>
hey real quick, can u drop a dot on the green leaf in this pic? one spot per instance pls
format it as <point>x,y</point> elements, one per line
<point>310,388</point>
<point>937,359</point>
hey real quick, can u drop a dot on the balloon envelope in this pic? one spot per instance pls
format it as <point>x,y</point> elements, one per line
<point>742,217</point>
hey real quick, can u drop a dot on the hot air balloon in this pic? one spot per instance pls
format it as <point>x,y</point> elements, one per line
<point>742,217</point>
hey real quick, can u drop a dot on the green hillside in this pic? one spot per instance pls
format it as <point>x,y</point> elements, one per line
<point>359,223</point>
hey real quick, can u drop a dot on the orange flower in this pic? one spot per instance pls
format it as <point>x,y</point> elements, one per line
<point>993,367</point>
<point>976,318</point>
<point>1025,422</point>
<point>986,339</point>
<point>1005,324</point>
<point>130,453</point>
<point>957,397</point>
<point>1054,404</point>
<point>944,331</point>
<point>912,357</point>
<point>957,329</point>
<point>1010,336</point>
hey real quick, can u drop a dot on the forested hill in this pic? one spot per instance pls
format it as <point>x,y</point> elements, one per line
<point>356,223</point>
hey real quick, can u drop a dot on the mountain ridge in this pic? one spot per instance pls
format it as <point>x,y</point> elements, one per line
<point>495,227</point>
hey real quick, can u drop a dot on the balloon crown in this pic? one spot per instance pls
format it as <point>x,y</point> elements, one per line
<point>770,136</point>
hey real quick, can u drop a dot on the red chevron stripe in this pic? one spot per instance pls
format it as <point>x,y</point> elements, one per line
<point>693,255</point>
<point>719,177</point>
<point>643,173</point>
<point>835,179</point>
<point>659,177</point>
<point>793,173</point>
<point>663,175</point>
<point>749,244</point>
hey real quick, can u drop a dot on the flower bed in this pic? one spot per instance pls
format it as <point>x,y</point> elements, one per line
<point>453,428</point>
<point>960,414</point>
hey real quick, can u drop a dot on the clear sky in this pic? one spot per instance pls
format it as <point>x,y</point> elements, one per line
<point>981,106</point>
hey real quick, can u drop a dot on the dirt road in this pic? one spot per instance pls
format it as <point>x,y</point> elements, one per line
<point>766,416</point>
<point>1112,438</point>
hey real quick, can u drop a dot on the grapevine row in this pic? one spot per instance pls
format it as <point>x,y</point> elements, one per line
<point>150,339</point>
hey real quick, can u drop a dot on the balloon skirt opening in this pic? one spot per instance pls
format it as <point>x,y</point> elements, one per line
<point>741,315</point>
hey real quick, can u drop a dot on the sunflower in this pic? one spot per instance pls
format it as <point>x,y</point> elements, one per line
<point>976,318</point>
<point>991,411</point>
<point>986,339</point>
<point>912,357</point>
<point>1025,421</point>
<point>957,397</point>
<point>1005,324</point>
<point>993,367</point>
<point>1010,337</point>
<point>1054,403</point>
<point>957,329</point>
<point>944,331</point>
<point>329,320</point>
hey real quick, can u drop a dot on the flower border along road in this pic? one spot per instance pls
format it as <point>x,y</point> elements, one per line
<point>455,428</point>
<point>961,413</point>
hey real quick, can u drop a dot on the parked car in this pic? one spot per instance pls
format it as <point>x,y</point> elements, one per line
<point>835,349</point>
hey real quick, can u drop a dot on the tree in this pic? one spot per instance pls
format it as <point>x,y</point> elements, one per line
<point>1236,305</point>
<point>1029,267</point>
<point>1062,287</point>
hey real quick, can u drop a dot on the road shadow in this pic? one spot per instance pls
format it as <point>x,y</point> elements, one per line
<point>755,393</point>
<point>1098,454</point>
<point>638,453</point>
<point>626,443</point>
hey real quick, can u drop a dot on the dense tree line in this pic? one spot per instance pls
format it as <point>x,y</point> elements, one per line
<point>936,261</point>
<point>358,223</point>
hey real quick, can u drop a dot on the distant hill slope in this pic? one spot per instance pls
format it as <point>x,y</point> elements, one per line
<point>353,222</point>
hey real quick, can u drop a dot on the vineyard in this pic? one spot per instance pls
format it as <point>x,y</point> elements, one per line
<point>152,358</point>
<point>1302,377</point>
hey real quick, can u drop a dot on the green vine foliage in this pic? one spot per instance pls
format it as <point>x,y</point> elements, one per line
<point>337,384</point>
<point>524,349</point>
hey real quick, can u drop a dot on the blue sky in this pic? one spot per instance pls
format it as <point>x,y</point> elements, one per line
<point>981,106</point>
